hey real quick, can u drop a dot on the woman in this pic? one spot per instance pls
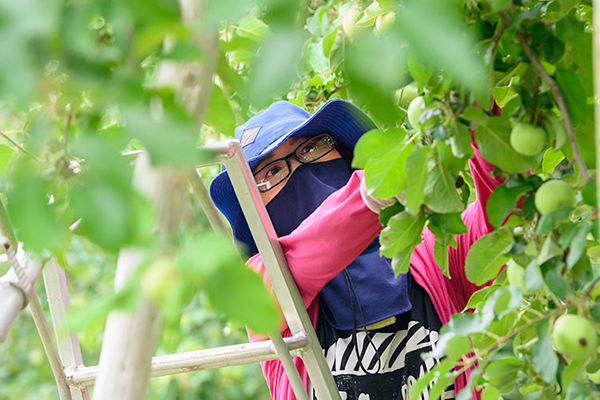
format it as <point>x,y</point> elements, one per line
<point>372,325</point>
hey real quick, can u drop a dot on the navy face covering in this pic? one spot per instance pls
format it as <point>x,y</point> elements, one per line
<point>375,289</point>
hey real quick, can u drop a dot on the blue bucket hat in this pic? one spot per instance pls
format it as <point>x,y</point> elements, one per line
<point>267,130</point>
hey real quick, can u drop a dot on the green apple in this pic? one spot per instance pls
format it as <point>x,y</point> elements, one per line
<point>527,139</point>
<point>385,22</point>
<point>405,95</point>
<point>553,194</point>
<point>575,336</point>
<point>415,109</point>
<point>515,274</point>
<point>349,23</point>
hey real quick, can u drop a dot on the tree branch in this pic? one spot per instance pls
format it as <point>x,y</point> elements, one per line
<point>560,102</point>
<point>505,22</point>
<point>67,128</point>
<point>18,146</point>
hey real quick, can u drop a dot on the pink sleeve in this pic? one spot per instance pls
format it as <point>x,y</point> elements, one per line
<point>458,289</point>
<point>327,241</point>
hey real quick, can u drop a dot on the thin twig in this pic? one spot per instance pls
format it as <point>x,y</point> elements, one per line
<point>505,22</point>
<point>560,102</point>
<point>67,128</point>
<point>18,146</point>
<point>588,292</point>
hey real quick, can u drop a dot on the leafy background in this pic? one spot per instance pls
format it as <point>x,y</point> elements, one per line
<point>85,81</point>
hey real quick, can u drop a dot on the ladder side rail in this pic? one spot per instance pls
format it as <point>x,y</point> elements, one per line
<point>12,301</point>
<point>284,286</point>
<point>289,366</point>
<point>58,370</point>
<point>35,308</point>
<point>277,341</point>
<point>199,360</point>
<point>59,303</point>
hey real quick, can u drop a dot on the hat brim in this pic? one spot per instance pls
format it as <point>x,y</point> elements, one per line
<point>345,122</point>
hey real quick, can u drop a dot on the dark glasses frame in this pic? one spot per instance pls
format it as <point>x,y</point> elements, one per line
<point>294,155</point>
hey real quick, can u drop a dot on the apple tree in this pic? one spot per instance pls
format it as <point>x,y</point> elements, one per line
<point>89,83</point>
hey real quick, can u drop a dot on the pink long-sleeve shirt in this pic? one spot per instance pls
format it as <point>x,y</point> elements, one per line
<point>349,226</point>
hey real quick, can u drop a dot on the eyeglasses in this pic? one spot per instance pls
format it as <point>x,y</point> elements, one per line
<point>307,152</point>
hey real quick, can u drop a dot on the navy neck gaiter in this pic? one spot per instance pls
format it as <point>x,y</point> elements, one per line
<point>370,284</point>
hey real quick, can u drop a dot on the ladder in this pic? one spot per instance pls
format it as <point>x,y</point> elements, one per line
<point>73,378</point>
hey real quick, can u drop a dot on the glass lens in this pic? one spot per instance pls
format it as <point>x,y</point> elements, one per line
<point>315,148</point>
<point>271,174</point>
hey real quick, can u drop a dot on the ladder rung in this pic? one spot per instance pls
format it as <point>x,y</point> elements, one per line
<point>219,357</point>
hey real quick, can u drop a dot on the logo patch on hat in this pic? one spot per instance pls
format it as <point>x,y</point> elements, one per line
<point>249,135</point>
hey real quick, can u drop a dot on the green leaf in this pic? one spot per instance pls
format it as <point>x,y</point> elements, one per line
<point>373,143</point>
<point>572,372</point>
<point>475,115</point>
<point>437,35</point>
<point>5,155</point>
<point>219,114</point>
<point>503,373</point>
<point>494,147</point>
<point>500,303</point>
<point>578,391</point>
<point>502,202</point>
<point>550,220</point>
<point>328,41</point>
<point>480,296</point>
<point>490,393</point>
<point>450,223</point>
<point>383,158</point>
<point>403,231</point>
<point>252,28</point>
<point>533,277</point>
<point>401,261</point>
<point>418,70</point>
<point>370,15</point>
<point>487,256</point>
<point>211,259</point>
<point>460,141</point>
<point>106,214</point>
<point>316,59</point>
<point>34,220</point>
<point>374,67</point>
<point>551,160</point>
<point>399,239</point>
<point>275,69</point>
<point>545,360</point>
<point>572,89</point>
<point>416,176</point>
<point>568,28</point>
<point>440,254</point>
<point>388,212</point>
<point>464,324</point>
<point>556,283</point>
<point>557,132</point>
<point>440,190</point>
<point>588,192</point>
<point>578,245</point>
<point>549,250</point>
<point>170,138</point>
<point>554,49</point>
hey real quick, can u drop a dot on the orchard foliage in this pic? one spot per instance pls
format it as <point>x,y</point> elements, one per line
<point>89,80</point>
